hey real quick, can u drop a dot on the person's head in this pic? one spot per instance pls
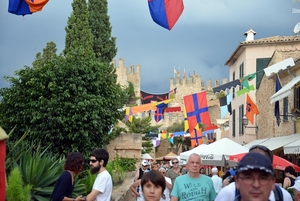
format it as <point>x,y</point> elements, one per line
<point>153,184</point>
<point>194,163</point>
<point>74,162</point>
<point>255,177</point>
<point>227,167</point>
<point>262,150</point>
<point>98,159</point>
<point>162,171</point>
<point>296,190</point>
<point>166,164</point>
<point>145,164</point>
<point>214,171</point>
<point>289,170</point>
<point>202,171</point>
<point>155,166</point>
<point>175,163</point>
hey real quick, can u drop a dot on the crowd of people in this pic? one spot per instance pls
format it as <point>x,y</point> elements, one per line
<point>253,179</point>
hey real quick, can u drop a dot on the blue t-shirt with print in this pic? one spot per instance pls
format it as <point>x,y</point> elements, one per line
<point>186,188</point>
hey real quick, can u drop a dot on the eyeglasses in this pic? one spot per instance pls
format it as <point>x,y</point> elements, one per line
<point>263,148</point>
<point>93,160</point>
<point>174,162</point>
<point>263,180</point>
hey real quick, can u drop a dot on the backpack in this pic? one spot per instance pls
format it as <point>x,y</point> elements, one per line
<point>277,192</point>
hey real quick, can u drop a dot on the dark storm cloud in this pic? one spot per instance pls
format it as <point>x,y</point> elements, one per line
<point>202,40</point>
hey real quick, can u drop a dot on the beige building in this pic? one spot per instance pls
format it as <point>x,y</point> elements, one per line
<point>249,57</point>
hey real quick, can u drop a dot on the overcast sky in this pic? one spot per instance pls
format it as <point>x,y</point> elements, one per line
<point>202,40</point>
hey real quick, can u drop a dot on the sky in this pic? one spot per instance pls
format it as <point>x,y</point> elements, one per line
<point>202,40</point>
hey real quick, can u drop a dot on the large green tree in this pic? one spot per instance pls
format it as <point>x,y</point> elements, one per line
<point>67,102</point>
<point>104,44</point>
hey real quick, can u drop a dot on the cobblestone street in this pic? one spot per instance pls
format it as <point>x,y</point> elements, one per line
<point>122,192</point>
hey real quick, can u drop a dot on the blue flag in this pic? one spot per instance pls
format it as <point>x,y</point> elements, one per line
<point>276,109</point>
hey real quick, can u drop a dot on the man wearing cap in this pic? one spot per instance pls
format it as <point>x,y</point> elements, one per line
<point>254,178</point>
<point>217,181</point>
<point>228,193</point>
<point>141,170</point>
<point>296,190</point>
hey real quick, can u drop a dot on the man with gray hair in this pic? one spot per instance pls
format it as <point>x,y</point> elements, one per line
<point>217,181</point>
<point>193,185</point>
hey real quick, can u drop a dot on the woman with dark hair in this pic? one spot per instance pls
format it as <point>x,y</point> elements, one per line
<point>290,177</point>
<point>65,184</point>
<point>153,185</point>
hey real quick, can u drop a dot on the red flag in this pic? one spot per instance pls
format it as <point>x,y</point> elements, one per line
<point>197,110</point>
<point>196,137</point>
<point>251,109</point>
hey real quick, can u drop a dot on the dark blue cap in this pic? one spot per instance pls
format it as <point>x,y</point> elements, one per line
<point>255,161</point>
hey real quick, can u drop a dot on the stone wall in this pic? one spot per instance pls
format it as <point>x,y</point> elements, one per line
<point>266,120</point>
<point>126,145</point>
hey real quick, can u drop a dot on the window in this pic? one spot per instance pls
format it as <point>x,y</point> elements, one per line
<point>241,73</point>
<point>285,109</point>
<point>241,114</point>
<point>233,123</point>
<point>233,89</point>
<point>297,97</point>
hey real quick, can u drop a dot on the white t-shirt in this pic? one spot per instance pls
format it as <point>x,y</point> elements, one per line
<point>228,194</point>
<point>167,191</point>
<point>103,184</point>
<point>217,181</point>
<point>141,197</point>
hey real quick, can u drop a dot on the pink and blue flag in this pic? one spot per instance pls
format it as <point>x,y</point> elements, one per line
<point>165,12</point>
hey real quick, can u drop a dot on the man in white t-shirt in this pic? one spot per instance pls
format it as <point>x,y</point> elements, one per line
<point>228,193</point>
<point>217,181</point>
<point>102,187</point>
<point>166,194</point>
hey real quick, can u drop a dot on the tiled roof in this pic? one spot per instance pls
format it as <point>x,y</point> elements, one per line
<point>273,39</point>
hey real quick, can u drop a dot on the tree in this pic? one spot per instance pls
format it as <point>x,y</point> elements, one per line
<point>67,102</point>
<point>141,125</point>
<point>104,45</point>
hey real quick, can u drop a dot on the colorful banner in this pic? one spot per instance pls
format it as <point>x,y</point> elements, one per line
<point>148,98</point>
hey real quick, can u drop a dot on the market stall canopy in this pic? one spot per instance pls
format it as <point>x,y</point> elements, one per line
<point>167,157</point>
<point>218,152</point>
<point>185,155</point>
<point>292,148</point>
<point>275,142</point>
<point>255,142</point>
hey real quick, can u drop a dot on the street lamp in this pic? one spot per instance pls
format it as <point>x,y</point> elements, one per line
<point>245,123</point>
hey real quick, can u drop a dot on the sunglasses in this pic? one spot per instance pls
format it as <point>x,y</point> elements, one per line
<point>174,162</point>
<point>263,148</point>
<point>93,160</point>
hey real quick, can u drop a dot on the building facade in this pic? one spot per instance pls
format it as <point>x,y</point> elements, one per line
<point>249,57</point>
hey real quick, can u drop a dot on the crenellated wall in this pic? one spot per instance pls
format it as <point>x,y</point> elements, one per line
<point>192,84</point>
<point>128,74</point>
<point>185,85</point>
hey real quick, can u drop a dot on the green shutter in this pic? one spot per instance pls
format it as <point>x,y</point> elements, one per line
<point>261,63</point>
